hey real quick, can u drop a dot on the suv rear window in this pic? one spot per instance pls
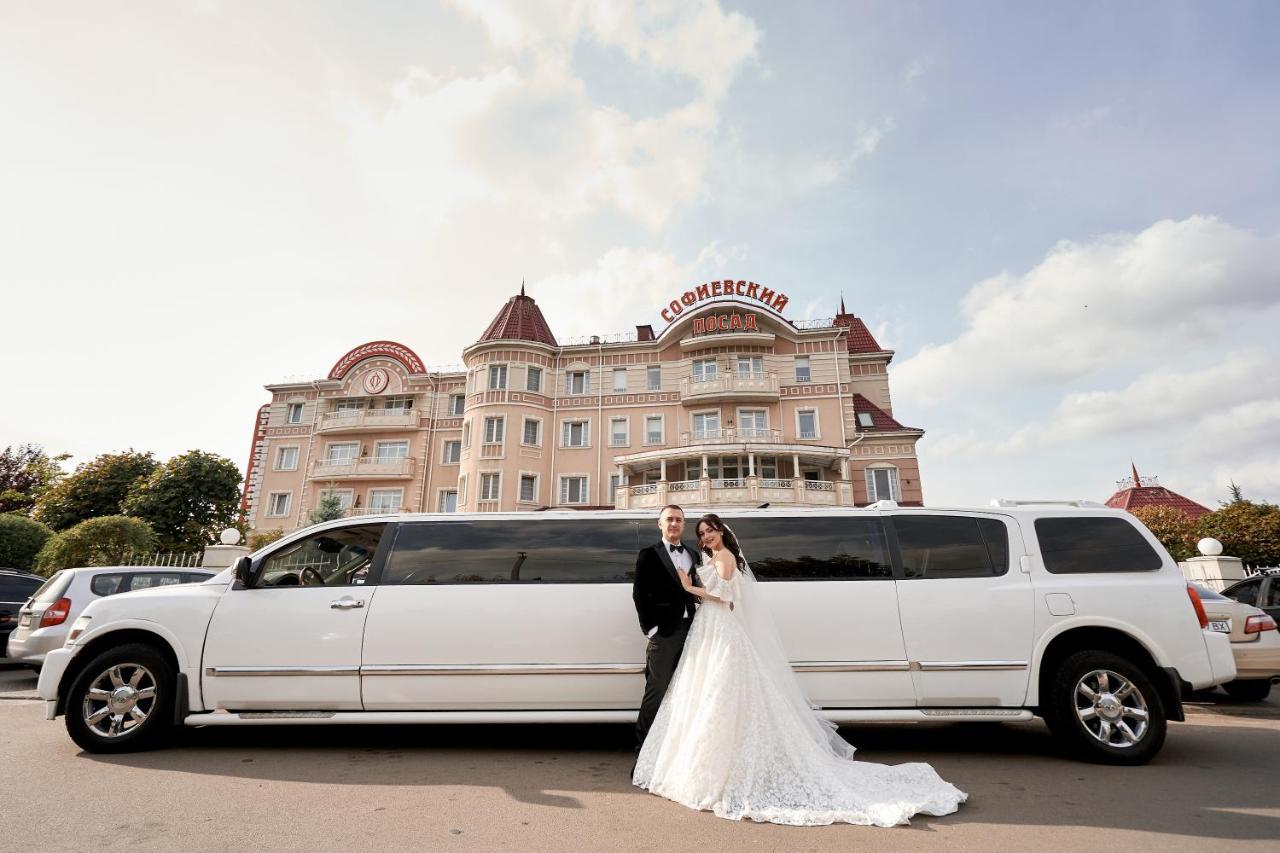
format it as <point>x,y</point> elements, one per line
<point>1094,544</point>
<point>54,587</point>
<point>108,584</point>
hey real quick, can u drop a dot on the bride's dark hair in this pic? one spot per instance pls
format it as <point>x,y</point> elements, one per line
<point>730,541</point>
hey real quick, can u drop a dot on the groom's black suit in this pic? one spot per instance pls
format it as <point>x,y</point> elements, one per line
<point>661,604</point>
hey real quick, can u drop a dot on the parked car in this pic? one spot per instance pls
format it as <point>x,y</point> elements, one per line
<point>46,616</point>
<point>1073,612</point>
<point>1255,644</point>
<point>1262,591</point>
<point>15,588</point>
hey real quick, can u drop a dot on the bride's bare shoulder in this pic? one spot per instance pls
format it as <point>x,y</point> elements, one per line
<point>725,563</point>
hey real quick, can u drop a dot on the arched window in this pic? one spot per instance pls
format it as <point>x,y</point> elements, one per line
<point>882,483</point>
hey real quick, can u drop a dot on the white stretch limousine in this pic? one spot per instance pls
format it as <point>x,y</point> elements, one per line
<point>1070,611</point>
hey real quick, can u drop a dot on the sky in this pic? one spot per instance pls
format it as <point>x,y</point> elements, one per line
<point>1062,218</point>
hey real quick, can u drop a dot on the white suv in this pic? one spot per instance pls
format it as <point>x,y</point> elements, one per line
<point>1071,612</point>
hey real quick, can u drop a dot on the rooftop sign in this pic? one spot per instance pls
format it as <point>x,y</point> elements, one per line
<point>712,290</point>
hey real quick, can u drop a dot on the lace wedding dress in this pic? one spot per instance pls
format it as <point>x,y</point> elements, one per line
<point>736,736</point>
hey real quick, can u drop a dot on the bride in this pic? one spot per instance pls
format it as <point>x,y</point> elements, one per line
<point>736,736</point>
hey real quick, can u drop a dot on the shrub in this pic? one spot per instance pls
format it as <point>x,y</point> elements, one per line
<point>105,541</point>
<point>20,541</point>
<point>262,538</point>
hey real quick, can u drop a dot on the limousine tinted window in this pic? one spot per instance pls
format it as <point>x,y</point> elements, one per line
<point>951,546</point>
<point>336,557</point>
<point>1098,544</point>
<point>814,548</point>
<point>525,551</point>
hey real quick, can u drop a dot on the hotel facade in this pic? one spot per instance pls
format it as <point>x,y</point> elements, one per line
<point>730,405</point>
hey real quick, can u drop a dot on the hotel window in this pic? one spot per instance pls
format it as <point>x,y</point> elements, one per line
<point>344,496</point>
<point>462,489</point>
<point>653,429</point>
<point>489,484</point>
<point>577,382</point>
<point>390,451</point>
<point>452,452</point>
<point>573,490</point>
<point>457,403</point>
<point>882,484</point>
<point>619,429</point>
<point>807,423</point>
<point>497,377</point>
<point>751,366</point>
<point>704,369</point>
<point>615,482</point>
<point>802,368</point>
<point>532,432</point>
<point>338,454</point>
<point>654,374</point>
<point>466,434</point>
<point>295,413</point>
<point>400,405</point>
<point>706,425</point>
<point>865,421</point>
<point>385,500</point>
<point>448,501</point>
<point>575,434</point>
<point>493,430</point>
<point>767,467</point>
<point>349,406</point>
<point>528,488</point>
<point>619,379</point>
<point>278,504</point>
<point>533,379</point>
<point>753,423</point>
<point>287,459</point>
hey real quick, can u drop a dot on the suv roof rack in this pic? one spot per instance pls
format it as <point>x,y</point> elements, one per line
<point>1012,502</point>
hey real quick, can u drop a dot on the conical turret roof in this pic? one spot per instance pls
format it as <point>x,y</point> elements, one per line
<point>520,320</point>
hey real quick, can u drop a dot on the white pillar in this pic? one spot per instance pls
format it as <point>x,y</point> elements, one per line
<point>795,465</point>
<point>704,467</point>
<point>751,464</point>
<point>663,468</point>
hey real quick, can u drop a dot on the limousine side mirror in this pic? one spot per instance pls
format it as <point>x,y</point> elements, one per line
<point>242,570</point>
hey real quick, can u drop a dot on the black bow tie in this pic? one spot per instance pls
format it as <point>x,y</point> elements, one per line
<point>676,549</point>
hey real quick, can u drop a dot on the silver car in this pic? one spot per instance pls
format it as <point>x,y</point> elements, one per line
<point>43,621</point>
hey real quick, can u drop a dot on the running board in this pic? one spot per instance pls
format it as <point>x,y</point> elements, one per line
<point>836,715</point>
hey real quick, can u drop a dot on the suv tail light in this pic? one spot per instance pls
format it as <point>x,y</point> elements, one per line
<point>56,614</point>
<point>1195,602</point>
<point>1258,624</point>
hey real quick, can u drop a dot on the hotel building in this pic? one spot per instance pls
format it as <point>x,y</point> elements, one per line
<point>730,405</point>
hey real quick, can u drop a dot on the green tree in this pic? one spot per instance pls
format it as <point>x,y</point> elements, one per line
<point>98,487</point>
<point>20,541</point>
<point>189,500</point>
<point>329,509</point>
<point>109,540</point>
<point>262,538</point>
<point>1173,527</point>
<point>1248,530</point>
<point>26,472</point>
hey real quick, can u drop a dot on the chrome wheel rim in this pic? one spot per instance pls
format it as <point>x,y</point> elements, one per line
<point>119,700</point>
<point>1111,708</point>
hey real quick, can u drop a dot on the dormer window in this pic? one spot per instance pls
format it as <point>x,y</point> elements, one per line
<point>865,421</point>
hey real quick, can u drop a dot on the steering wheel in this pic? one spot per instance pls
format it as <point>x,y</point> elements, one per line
<point>310,577</point>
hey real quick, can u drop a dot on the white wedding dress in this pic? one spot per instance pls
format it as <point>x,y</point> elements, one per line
<point>736,736</point>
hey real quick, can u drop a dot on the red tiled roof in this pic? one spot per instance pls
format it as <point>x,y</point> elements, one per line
<point>859,338</point>
<point>520,320</point>
<point>880,419</point>
<point>1132,498</point>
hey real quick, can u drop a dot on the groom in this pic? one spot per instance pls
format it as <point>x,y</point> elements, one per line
<point>665,610</point>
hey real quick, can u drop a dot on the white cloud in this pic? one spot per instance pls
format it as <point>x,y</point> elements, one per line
<point>1121,299</point>
<point>914,72</point>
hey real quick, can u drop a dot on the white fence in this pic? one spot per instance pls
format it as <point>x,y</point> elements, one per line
<point>168,559</point>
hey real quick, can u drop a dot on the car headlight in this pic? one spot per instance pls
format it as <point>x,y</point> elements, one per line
<point>78,627</point>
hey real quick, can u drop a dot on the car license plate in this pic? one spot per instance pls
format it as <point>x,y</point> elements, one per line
<point>24,620</point>
<point>1222,625</point>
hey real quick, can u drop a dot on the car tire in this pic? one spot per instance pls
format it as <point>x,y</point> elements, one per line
<point>1248,689</point>
<point>1105,709</point>
<point>122,701</point>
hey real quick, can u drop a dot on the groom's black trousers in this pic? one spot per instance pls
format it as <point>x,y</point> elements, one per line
<point>659,665</point>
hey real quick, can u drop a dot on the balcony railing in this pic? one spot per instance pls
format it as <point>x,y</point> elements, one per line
<point>736,490</point>
<point>354,419</point>
<point>682,486</point>
<point>350,512</point>
<point>819,486</point>
<point>753,384</point>
<point>732,436</point>
<point>372,467</point>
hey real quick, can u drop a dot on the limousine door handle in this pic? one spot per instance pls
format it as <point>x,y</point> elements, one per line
<point>345,603</point>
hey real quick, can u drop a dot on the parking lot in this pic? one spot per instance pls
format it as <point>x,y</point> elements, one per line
<point>566,788</point>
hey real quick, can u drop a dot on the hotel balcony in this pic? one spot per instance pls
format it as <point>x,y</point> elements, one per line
<point>368,468</point>
<point>729,386</point>
<point>731,436</point>
<point>743,491</point>
<point>359,420</point>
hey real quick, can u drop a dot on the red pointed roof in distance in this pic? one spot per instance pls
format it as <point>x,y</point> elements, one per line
<point>880,419</point>
<point>859,338</point>
<point>520,320</point>
<point>1139,495</point>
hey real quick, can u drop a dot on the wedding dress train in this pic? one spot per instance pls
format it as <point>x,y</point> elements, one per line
<point>736,736</point>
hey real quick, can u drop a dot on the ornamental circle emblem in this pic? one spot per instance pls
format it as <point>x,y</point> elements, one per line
<point>376,380</point>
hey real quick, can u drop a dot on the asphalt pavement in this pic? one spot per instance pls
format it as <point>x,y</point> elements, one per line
<point>566,788</point>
